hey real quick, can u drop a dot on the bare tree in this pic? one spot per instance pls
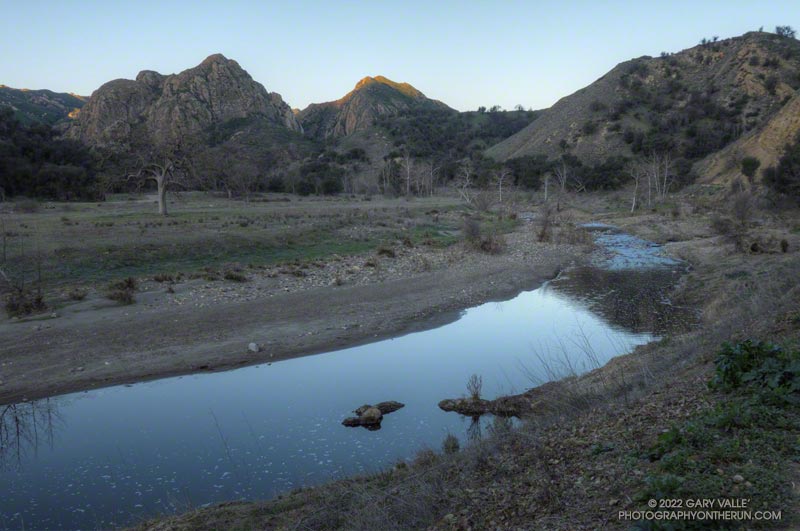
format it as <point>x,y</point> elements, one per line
<point>408,167</point>
<point>427,174</point>
<point>637,172</point>
<point>464,181</point>
<point>547,177</point>
<point>562,174</point>
<point>500,177</point>
<point>162,165</point>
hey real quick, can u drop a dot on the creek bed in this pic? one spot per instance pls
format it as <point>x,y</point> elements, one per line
<point>118,455</point>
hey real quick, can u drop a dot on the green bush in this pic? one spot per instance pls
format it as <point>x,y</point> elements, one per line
<point>759,367</point>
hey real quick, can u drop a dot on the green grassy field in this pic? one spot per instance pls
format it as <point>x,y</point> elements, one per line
<point>87,243</point>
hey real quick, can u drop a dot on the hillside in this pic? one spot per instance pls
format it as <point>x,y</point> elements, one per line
<point>693,103</point>
<point>40,106</point>
<point>765,144</point>
<point>371,99</point>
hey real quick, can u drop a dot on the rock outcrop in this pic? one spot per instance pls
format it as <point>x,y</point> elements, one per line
<point>372,98</point>
<point>162,109</point>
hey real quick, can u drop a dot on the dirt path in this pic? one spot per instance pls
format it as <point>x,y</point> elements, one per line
<point>109,345</point>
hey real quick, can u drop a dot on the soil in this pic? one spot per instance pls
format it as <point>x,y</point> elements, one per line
<point>208,325</point>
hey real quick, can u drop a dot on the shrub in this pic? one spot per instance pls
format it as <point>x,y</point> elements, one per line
<point>234,276</point>
<point>721,225</point>
<point>771,83</point>
<point>386,251</point>
<point>122,290</point>
<point>750,166</point>
<point>126,284</point>
<point>742,209</point>
<point>122,296</point>
<point>482,201</point>
<point>757,365</point>
<point>785,31</point>
<point>77,294</point>
<point>589,128</point>
<point>493,244</point>
<point>597,106</point>
<point>22,302</point>
<point>784,178</point>
<point>545,223</point>
<point>475,386</point>
<point>450,445</point>
<point>471,230</point>
<point>163,277</point>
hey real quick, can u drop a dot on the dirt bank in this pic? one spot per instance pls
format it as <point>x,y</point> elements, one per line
<point>96,343</point>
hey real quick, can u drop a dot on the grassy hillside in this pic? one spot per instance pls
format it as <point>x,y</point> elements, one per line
<point>690,103</point>
<point>39,106</point>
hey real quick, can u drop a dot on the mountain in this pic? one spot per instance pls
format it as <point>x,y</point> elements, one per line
<point>40,106</point>
<point>692,103</point>
<point>371,99</point>
<point>215,98</point>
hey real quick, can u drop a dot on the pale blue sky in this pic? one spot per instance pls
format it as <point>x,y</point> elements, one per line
<point>466,53</point>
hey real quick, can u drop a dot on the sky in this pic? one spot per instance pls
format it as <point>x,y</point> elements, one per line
<point>467,53</point>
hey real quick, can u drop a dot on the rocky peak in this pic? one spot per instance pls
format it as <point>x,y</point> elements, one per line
<point>371,98</point>
<point>160,109</point>
<point>150,78</point>
<point>403,88</point>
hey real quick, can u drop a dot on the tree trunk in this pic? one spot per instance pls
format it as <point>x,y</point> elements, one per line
<point>162,196</point>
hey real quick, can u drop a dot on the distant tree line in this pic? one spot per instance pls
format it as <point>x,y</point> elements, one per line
<point>34,162</point>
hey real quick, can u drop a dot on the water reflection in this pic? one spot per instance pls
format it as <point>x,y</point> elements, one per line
<point>25,426</point>
<point>634,300</point>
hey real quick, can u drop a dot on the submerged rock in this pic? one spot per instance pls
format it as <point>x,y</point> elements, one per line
<point>370,416</point>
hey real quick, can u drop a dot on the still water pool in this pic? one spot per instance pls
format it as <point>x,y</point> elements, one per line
<point>118,455</point>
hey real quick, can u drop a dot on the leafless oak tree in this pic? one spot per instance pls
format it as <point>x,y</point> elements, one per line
<point>164,167</point>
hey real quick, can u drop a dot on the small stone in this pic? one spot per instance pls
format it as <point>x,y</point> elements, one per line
<point>54,315</point>
<point>613,502</point>
<point>737,478</point>
<point>253,347</point>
